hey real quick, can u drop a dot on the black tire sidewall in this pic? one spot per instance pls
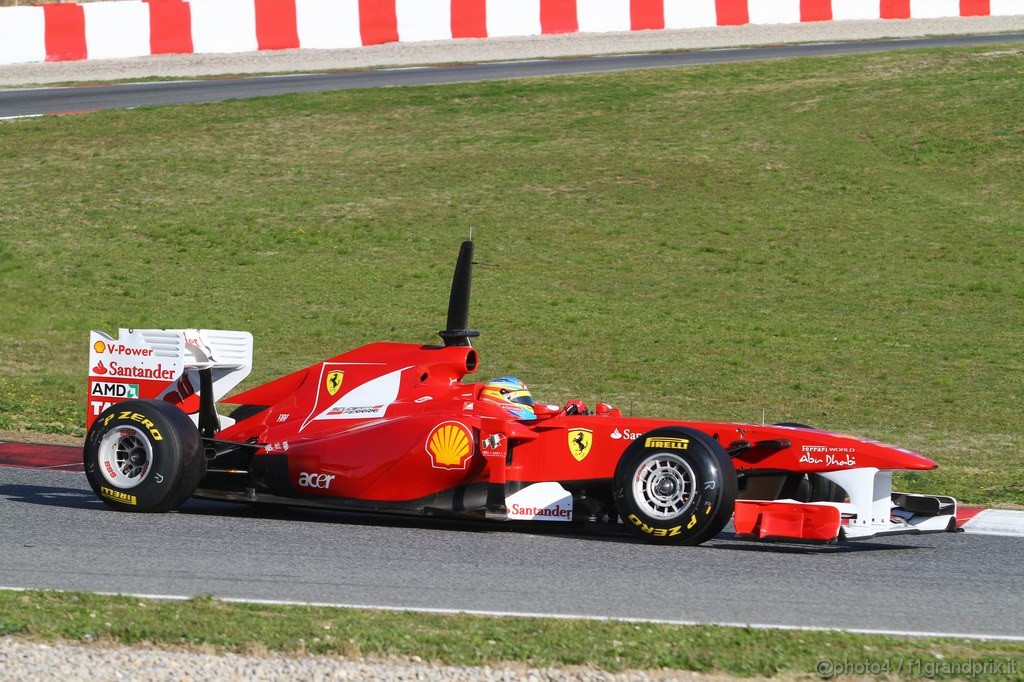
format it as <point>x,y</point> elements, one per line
<point>710,507</point>
<point>177,456</point>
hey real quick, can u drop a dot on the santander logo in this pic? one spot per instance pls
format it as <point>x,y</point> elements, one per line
<point>557,511</point>
<point>99,368</point>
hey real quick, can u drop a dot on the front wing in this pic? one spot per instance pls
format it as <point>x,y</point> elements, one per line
<point>873,510</point>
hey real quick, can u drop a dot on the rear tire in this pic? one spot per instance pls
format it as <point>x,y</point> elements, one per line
<point>675,485</point>
<point>143,456</point>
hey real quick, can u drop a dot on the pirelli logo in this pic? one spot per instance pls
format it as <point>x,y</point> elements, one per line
<point>667,443</point>
<point>117,496</point>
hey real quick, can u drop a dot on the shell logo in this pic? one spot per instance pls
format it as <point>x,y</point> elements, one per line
<point>450,445</point>
<point>99,346</point>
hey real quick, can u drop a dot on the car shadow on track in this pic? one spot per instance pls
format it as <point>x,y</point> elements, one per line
<point>71,498</point>
<point>589,532</point>
<point>579,531</point>
<point>78,498</point>
<point>730,542</point>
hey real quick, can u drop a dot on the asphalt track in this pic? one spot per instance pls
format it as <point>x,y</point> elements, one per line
<point>56,534</point>
<point>41,101</point>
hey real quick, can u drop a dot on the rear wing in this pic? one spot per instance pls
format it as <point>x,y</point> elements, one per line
<point>165,364</point>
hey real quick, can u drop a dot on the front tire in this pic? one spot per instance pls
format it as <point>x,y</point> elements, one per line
<point>675,485</point>
<point>143,456</point>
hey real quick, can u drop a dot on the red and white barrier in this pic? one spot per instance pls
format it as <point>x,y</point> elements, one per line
<point>116,29</point>
<point>133,28</point>
<point>22,31</point>
<point>328,24</point>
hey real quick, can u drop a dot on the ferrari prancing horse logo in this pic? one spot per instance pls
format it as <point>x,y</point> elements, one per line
<point>580,441</point>
<point>334,378</point>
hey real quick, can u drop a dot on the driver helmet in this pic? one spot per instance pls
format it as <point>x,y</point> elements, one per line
<point>512,395</point>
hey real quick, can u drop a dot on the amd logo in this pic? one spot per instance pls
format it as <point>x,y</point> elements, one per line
<point>321,481</point>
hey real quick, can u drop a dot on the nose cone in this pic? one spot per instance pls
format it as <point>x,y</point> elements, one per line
<point>910,460</point>
<point>825,451</point>
<point>870,453</point>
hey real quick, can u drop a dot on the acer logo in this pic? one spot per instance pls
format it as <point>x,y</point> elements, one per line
<point>321,481</point>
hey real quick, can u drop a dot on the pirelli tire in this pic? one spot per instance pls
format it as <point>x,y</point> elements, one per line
<point>675,485</point>
<point>143,456</point>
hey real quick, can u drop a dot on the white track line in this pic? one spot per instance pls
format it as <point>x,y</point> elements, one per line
<point>1005,522</point>
<point>557,616</point>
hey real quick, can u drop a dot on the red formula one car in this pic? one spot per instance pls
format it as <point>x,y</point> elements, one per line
<point>392,427</point>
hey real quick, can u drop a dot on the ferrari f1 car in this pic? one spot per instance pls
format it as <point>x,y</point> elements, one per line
<point>397,428</point>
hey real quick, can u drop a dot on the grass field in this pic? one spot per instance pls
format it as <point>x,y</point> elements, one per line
<point>469,640</point>
<point>836,241</point>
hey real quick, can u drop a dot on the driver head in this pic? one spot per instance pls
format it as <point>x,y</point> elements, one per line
<point>512,395</point>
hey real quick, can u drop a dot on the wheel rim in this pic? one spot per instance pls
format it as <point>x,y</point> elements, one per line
<point>663,486</point>
<point>126,457</point>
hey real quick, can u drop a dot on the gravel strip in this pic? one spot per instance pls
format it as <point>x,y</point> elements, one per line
<point>25,661</point>
<point>491,49</point>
